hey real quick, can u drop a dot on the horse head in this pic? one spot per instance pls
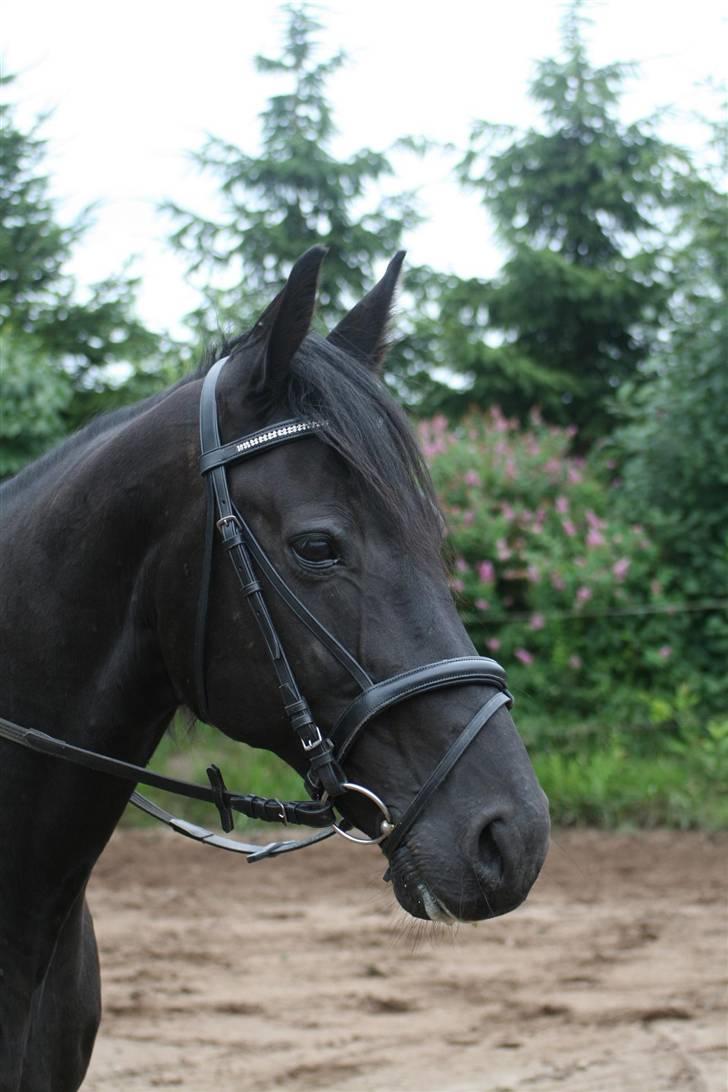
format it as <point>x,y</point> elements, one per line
<point>345,520</point>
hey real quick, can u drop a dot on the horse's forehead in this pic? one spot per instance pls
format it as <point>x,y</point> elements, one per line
<point>306,470</point>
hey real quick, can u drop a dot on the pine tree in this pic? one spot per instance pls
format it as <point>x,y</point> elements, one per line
<point>41,314</point>
<point>582,206</point>
<point>294,194</point>
<point>673,443</point>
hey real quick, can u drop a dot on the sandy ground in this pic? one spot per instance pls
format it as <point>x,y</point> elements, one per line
<point>300,974</point>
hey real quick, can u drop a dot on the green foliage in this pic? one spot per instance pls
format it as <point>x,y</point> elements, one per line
<point>673,443</point>
<point>64,343</point>
<point>34,398</point>
<point>572,596</point>
<point>294,194</point>
<point>582,207</point>
<point>668,769</point>
<point>606,786</point>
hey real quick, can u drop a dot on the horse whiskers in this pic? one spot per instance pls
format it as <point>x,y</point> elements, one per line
<point>484,894</point>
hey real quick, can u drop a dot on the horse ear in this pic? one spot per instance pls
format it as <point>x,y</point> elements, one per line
<point>363,331</point>
<point>286,321</point>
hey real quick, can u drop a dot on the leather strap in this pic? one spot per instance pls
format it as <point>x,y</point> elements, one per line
<point>254,442</point>
<point>435,676</point>
<point>310,813</point>
<point>252,850</point>
<point>438,775</point>
<point>325,774</point>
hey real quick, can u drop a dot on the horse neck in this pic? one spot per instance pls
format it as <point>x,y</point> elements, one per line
<point>81,548</point>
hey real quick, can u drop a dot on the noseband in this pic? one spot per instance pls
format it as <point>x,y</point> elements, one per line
<point>326,754</point>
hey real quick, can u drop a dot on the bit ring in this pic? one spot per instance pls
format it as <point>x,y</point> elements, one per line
<point>386,826</point>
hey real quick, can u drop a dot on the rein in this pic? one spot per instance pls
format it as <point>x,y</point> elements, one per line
<point>325,780</point>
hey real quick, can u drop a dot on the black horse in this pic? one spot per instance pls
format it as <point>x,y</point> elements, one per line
<point>103,558</point>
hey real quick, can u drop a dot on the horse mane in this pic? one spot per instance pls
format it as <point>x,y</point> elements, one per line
<point>360,420</point>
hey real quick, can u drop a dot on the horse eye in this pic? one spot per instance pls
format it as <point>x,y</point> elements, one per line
<point>315,550</point>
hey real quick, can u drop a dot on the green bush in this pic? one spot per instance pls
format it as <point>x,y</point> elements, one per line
<point>570,596</point>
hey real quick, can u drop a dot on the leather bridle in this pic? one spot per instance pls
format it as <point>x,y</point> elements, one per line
<point>326,754</point>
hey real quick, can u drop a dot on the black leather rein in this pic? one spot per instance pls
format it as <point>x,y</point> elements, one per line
<point>325,780</point>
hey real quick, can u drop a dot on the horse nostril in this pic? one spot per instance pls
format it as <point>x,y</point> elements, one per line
<point>490,858</point>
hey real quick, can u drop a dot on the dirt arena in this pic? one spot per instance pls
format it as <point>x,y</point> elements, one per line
<point>301,974</point>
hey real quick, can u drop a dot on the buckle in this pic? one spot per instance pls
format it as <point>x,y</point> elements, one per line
<point>311,744</point>
<point>224,520</point>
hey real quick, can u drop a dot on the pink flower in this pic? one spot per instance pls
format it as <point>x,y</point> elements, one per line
<point>594,537</point>
<point>533,574</point>
<point>506,511</point>
<point>486,572</point>
<point>500,423</point>
<point>456,584</point>
<point>575,662</point>
<point>574,475</point>
<point>482,604</point>
<point>471,477</point>
<point>594,520</point>
<point>523,655</point>
<point>557,581</point>
<point>553,468</point>
<point>536,520</point>
<point>620,568</point>
<point>583,595</point>
<point>562,505</point>
<point>665,652</point>
<point>569,528</point>
<point>502,549</point>
<point>493,644</point>
<point>468,517</point>
<point>537,621</point>
<point>461,565</point>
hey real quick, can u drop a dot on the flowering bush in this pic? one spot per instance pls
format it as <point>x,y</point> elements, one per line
<point>567,595</point>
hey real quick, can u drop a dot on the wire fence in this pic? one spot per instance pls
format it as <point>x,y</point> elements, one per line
<point>635,609</point>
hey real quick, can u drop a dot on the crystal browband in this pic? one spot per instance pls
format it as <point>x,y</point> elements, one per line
<point>259,438</point>
<point>258,441</point>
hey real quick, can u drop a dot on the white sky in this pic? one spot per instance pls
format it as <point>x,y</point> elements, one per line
<point>134,86</point>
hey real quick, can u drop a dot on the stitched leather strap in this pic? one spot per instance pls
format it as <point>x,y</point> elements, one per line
<point>438,775</point>
<point>435,676</point>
